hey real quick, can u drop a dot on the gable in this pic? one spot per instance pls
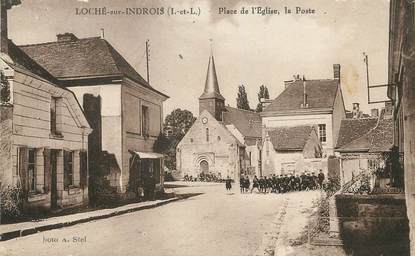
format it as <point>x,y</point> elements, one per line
<point>197,133</point>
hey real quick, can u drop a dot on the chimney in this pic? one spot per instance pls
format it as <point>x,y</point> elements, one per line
<point>305,104</point>
<point>67,37</point>
<point>265,103</point>
<point>374,112</point>
<point>356,110</point>
<point>4,42</point>
<point>102,33</point>
<point>336,71</point>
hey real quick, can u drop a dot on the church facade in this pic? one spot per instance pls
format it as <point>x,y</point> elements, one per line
<point>223,141</point>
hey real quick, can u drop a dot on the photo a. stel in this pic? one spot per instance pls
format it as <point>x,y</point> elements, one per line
<point>170,133</point>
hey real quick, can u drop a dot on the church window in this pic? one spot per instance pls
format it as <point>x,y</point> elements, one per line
<point>218,138</point>
<point>207,134</point>
<point>191,139</point>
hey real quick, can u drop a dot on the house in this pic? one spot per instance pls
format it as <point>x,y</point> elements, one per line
<point>402,94</point>
<point>292,149</point>
<point>309,102</point>
<point>44,132</point>
<point>364,146</point>
<point>223,140</point>
<point>124,110</point>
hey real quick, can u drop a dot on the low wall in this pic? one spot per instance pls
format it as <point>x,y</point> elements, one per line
<point>372,220</point>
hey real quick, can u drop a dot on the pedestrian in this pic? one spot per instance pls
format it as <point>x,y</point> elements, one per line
<point>242,184</point>
<point>320,179</point>
<point>228,183</point>
<point>255,183</point>
<point>247,184</point>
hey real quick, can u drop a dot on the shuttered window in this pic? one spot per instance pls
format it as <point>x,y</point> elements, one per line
<point>31,170</point>
<point>68,168</point>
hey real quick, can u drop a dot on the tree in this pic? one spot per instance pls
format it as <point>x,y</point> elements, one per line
<point>262,94</point>
<point>177,123</point>
<point>242,99</point>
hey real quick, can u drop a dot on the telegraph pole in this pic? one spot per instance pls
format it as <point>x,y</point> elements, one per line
<point>366,60</point>
<point>148,60</point>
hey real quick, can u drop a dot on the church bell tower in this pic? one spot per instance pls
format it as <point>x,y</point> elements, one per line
<point>211,99</point>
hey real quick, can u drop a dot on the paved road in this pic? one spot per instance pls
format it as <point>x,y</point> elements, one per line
<point>214,223</point>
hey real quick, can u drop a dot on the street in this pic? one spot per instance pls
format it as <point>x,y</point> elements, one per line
<point>216,222</point>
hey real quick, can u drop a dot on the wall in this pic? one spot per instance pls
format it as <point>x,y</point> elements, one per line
<point>110,95</point>
<point>295,120</point>
<point>134,97</point>
<point>31,128</point>
<point>221,154</point>
<point>339,113</point>
<point>373,224</point>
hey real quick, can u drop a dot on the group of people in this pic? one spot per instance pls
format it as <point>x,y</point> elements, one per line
<point>282,183</point>
<point>205,177</point>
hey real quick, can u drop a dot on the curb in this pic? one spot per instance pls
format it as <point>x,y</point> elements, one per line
<point>29,231</point>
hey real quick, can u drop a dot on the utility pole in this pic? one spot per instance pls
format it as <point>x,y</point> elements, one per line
<point>148,60</point>
<point>366,60</point>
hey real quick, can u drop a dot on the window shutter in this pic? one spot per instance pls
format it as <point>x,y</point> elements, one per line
<point>23,159</point>
<point>83,158</point>
<point>65,170</point>
<point>47,157</point>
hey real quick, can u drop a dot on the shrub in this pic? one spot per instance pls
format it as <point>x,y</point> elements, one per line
<point>11,203</point>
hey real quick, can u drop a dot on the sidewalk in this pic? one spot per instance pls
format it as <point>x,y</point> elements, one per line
<point>10,231</point>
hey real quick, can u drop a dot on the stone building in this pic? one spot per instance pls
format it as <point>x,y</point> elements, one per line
<point>224,141</point>
<point>124,110</point>
<point>44,132</point>
<point>294,149</point>
<point>401,91</point>
<point>309,102</point>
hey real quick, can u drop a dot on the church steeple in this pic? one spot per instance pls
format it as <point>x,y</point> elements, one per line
<point>211,84</point>
<point>211,99</point>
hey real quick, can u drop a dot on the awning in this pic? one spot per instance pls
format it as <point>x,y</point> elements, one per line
<point>146,155</point>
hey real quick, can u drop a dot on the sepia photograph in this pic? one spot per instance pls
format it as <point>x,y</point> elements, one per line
<point>207,128</point>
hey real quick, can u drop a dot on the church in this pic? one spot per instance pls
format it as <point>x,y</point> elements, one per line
<point>223,141</point>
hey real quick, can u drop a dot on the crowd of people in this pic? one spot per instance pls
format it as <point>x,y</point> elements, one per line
<point>282,183</point>
<point>204,177</point>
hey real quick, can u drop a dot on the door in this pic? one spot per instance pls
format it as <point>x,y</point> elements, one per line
<point>204,167</point>
<point>53,185</point>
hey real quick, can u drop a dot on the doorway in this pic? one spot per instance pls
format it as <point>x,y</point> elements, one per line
<point>53,173</point>
<point>204,167</point>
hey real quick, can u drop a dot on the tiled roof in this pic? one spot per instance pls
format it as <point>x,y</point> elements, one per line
<point>247,122</point>
<point>290,138</point>
<point>23,61</point>
<point>82,58</point>
<point>369,134</point>
<point>382,136</point>
<point>320,94</point>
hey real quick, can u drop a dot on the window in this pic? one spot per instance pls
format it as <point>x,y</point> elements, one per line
<point>145,121</point>
<point>31,169</point>
<point>68,168</point>
<point>207,134</point>
<point>55,123</point>
<point>218,138</point>
<point>53,115</point>
<point>322,132</point>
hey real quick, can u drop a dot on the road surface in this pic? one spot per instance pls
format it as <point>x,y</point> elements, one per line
<point>216,222</point>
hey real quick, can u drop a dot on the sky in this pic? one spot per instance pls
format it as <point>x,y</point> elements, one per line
<point>249,49</point>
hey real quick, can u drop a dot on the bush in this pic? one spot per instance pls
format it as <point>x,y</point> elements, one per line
<point>11,203</point>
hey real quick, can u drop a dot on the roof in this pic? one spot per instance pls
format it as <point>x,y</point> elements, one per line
<point>211,85</point>
<point>247,122</point>
<point>371,138</point>
<point>352,129</point>
<point>82,58</point>
<point>290,138</point>
<point>320,94</point>
<point>23,61</point>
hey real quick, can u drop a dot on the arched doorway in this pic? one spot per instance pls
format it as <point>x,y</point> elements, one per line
<point>204,166</point>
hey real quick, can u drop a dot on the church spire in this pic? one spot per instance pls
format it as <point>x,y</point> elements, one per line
<point>211,84</point>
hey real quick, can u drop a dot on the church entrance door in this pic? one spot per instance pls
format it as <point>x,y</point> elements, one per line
<point>204,167</point>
